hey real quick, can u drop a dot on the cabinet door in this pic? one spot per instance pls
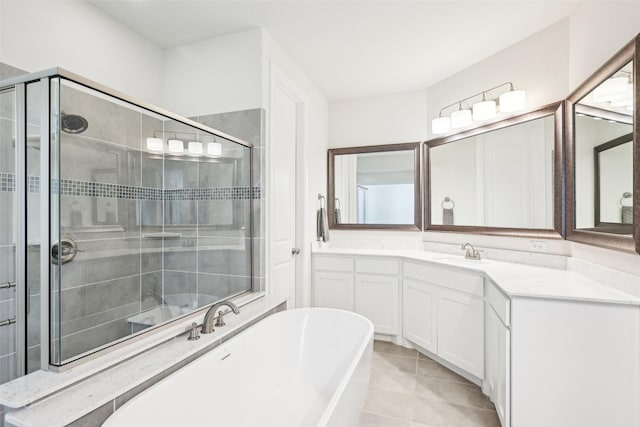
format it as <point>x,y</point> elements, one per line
<point>376,297</point>
<point>420,313</point>
<point>461,330</point>
<point>333,290</point>
<point>497,374</point>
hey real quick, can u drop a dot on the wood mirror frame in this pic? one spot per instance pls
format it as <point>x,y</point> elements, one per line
<point>417,198</point>
<point>557,232</point>
<point>631,52</point>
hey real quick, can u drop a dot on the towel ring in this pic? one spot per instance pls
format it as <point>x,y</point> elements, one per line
<point>448,200</point>
<point>625,195</point>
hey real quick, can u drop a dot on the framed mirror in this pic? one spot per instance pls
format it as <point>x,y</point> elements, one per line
<point>602,182</point>
<point>503,178</point>
<point>375,187</point>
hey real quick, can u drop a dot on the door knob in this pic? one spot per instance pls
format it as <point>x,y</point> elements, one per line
<point>295,251</point>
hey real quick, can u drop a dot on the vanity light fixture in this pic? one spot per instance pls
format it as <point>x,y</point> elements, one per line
<point>441,125</point>
<point>461,118</point>
<point>176,146</point>
<point>509,101</point>
<point>484,110</point>
<point>155,144</point>
<point>214,149</point>
<point>194,147</point>
<point>513,100</point>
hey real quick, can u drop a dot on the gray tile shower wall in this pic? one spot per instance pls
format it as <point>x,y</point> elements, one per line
<point>248,125</point>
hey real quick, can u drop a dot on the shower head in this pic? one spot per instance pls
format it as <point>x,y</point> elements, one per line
<point>72,123</point>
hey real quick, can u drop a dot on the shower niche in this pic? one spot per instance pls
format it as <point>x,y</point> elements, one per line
<point>145,216</point>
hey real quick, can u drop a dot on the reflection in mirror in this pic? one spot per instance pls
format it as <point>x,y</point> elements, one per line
<point>374,186</point>
<point>604,174</point>
<point>497,177</point>
<point>602,185</point>
<point>501,178</point>
<point>604,156</point>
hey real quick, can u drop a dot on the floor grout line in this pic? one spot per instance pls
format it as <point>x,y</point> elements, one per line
<point>410,420</point>
<point>409,400</point>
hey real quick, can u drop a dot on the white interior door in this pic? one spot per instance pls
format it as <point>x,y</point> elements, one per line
<point>285,132</point>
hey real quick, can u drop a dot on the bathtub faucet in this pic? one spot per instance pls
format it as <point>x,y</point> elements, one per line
<point>207,323</point>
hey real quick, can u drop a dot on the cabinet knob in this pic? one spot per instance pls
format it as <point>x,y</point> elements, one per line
<point>295,251</point>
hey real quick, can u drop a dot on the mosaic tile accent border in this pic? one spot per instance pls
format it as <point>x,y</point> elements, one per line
<point>7,182</point>
<point>115,191</point>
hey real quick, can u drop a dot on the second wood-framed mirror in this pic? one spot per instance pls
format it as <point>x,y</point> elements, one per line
<point>503,178</point>
<point>375,187</point>
<point>603,158</point>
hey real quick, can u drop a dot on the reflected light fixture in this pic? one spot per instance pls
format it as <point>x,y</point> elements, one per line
<point>155,144</point>
<point>509,101</point>
<point>214,149</point>
<point>176,146</point>
<point>625,99</point>
<point>611,89</point>
<point>195,147</point>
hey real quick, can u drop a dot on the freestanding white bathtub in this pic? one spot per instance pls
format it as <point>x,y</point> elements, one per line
<point>305,367</point>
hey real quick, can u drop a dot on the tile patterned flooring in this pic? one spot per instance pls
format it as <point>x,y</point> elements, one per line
<point>408,389</point>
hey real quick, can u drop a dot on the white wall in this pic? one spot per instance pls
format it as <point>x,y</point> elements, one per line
<point>598,31</point>
<point>313,164</point>
<point>537,64</point>
<point>79,37</point>
<point>215,76</point>
<point>386,119</point>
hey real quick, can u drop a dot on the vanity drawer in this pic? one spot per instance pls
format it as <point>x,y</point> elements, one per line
<point>499,302</point>
<point>377,266</point>
<point>333,263</point>
<point>463,282</point>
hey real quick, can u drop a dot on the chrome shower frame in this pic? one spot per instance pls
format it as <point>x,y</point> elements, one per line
<point>19,84</point>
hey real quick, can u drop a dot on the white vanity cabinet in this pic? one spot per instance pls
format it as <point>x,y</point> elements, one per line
<point>497,378</point>
<point>443,312</point>
<point>420,314</point>
<point>368,286</point>
<point>333,282</point>
<point>377,291</point>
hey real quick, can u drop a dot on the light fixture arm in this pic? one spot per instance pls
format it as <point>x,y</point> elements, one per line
<point>474,95</point>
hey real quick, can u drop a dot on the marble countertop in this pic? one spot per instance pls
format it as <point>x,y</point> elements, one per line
<point>514,279</point>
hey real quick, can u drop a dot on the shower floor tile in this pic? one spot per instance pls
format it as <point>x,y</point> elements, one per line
<point>409,389</point>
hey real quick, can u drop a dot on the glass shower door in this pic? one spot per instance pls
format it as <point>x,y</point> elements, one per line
<point>8,301</point>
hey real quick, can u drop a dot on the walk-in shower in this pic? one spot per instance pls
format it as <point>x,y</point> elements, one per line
<point>115,216</point>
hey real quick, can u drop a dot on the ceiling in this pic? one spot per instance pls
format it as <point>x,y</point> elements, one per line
<point>356,48</point>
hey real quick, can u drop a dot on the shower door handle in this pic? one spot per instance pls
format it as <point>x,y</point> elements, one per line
<point>295,251</point>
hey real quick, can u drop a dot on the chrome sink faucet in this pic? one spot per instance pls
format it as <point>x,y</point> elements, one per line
<point>471,252</point>
<point>207,323</point>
